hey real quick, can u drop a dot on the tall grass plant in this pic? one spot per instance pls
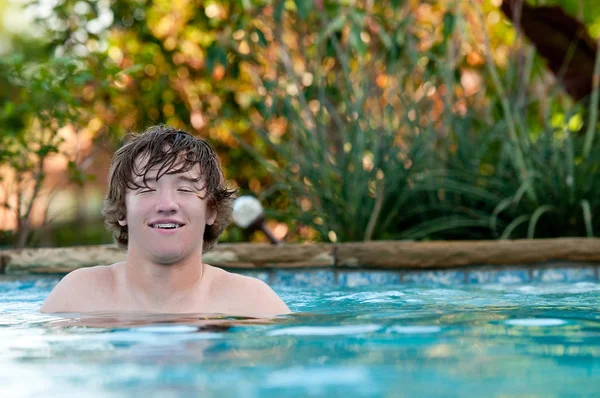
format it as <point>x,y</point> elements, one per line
<point>359,133</point>
<point>528,178</point>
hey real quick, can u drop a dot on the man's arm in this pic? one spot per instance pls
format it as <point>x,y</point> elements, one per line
<point>257,298</point>
<point>268,300</point>
<point>73,293</point>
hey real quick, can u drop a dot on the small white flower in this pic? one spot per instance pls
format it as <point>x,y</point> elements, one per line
<point>569,181</point>
<point>246,210</point>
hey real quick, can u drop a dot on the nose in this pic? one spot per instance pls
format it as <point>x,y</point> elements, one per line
<point>166,203</point>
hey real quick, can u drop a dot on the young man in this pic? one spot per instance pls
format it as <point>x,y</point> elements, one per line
<point>167,204</point>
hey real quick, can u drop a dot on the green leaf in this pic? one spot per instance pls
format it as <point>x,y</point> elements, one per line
<point>587,217</point>
<point>503,205</point>
<point>427,228</point>
<point>513,225</point>
<point>448,24</point>
<point>215,54</point>
<point>356,41</point>
<point>46,150</point>
<point>262,40</point>
<point>9,108</point>
<point>535,217</point>
<point>303,8</point>
<point>278,13</point>
<point>336,25</point>
<point>83,78</point>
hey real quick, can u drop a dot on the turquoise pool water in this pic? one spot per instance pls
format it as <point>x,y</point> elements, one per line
<point>492,340</point>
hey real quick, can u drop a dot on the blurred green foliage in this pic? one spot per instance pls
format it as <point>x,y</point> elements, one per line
<point>350,121</point>
<point>43,97</point>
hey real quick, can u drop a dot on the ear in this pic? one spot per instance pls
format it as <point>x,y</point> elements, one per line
<point>122,222</point>
<point>211,215</point>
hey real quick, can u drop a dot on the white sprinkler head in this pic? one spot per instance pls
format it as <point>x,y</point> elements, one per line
<point>246,210</point>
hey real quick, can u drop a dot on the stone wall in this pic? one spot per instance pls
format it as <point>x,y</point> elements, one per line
<point>390,255</point>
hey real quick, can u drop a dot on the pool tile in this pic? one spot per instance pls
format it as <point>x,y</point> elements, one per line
<point>435,277</point>
<point>513,276</point>
<point>304,278</point>
<point>583,274</point>
<point>505,276</point>
<point>510,276</point>
<point>485,276</point>
<point>374,278</point>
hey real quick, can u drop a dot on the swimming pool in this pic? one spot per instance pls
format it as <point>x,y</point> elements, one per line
<point>396,339</point>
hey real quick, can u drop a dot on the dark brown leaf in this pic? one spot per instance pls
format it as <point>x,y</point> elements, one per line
<point>559,38</point>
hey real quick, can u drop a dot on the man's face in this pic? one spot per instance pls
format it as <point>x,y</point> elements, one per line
<point>166,221</point>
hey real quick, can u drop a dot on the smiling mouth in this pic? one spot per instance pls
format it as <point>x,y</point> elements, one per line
<point>166,226</point>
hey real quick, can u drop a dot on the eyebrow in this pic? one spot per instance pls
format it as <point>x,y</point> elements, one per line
<point>153,179</point>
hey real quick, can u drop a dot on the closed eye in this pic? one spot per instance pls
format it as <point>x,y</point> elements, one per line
<point>186,190</point>
<point>147,190</point>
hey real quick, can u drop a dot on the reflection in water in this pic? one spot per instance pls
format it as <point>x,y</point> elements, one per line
<point>115,320</point>
<point>513,340</point>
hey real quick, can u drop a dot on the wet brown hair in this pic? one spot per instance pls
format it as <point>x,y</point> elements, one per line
<point>173,151</point>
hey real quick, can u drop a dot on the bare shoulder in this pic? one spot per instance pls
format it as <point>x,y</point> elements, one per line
<point>79,289</point>
<point>250,296</point>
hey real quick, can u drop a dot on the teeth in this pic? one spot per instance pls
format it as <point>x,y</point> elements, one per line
<point>165,226</point>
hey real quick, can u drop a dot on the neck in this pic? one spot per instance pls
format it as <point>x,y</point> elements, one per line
<point>154,287</point>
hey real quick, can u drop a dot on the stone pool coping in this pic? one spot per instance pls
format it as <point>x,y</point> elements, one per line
<point>407,260</point>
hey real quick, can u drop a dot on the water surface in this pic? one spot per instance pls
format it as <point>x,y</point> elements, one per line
<point>534,340</point>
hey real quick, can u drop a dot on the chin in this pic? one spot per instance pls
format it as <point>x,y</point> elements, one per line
<point>169,256</point>
<point>166,260</point>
